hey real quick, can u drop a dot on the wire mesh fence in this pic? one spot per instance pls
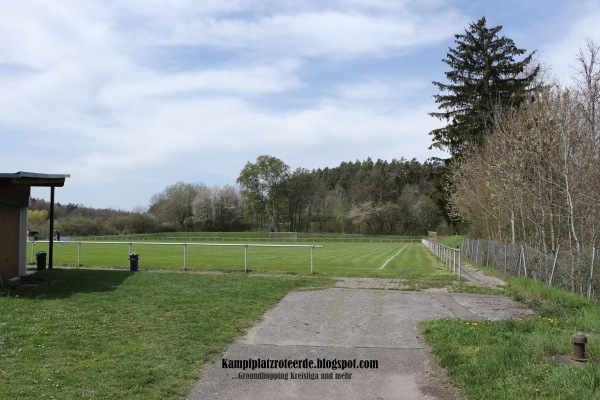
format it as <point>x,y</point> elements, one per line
<point>572,271</point>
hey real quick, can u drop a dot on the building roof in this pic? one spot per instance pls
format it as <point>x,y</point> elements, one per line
<point>33,179</point>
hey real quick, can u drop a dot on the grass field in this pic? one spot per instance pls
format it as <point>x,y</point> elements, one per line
<point>91,334</point>
<point>398,260</point>
<point>106,334</point>
<point>100,334</point>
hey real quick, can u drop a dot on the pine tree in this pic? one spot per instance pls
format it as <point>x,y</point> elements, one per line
<point>484,75</point>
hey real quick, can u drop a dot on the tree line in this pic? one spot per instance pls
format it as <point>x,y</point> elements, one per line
<point>365,197</point>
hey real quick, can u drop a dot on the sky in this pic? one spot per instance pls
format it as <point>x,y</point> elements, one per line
<point>131,96</point>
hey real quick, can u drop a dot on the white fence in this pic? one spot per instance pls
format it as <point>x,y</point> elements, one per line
<point>204,239</point>
<point>184,247</point>
<point>451,257</point>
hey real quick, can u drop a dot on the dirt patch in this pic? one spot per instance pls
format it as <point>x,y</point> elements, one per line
<point>371,283</point>
<point>476,278</point>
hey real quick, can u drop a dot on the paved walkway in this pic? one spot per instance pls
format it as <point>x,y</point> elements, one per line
<point>347,324</point>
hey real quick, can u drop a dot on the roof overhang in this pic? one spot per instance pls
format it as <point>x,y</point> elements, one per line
<point>33,179</point>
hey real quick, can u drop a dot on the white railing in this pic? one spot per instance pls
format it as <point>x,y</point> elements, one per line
<point>190,239</point>
<point>451,257</point>
<point>184,245</point>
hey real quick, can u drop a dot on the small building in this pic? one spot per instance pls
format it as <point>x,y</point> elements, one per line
<point>432,236</point>
<point>15,192</point>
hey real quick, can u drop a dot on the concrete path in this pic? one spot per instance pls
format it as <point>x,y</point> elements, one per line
<point>347,324</point>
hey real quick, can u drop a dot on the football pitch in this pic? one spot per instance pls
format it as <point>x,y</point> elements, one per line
<point>388,260</point>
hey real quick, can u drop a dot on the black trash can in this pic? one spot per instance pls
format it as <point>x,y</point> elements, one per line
<point>40,258</point>
<point>133,262</point>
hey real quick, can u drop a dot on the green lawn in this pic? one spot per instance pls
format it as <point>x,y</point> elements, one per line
<point>514,359</point>
<point>93,334</point>
<point>392,260</point>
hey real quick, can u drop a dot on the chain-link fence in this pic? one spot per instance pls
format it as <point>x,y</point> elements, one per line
<point>567,270</point>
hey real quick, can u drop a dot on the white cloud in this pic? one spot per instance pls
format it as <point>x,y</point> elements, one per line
<point>213,137</point>
<point>318,34</point>
<point>247,80</point>
<point>39,35</point>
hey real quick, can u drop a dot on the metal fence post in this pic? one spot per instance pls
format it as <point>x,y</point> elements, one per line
<point>78,254</point>
<point>184,256</point>
<point>524,263</point>
<point>245,258</point>
<point>454,262</point>
<point>553,266</point>
<point>591,274</point>
<point>312,256</point>
<point>459,270</point>
<point>505,259</point>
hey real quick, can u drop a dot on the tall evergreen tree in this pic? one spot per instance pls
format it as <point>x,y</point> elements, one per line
<point>484,74</point>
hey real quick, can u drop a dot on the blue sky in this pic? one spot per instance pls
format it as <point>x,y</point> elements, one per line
<point>131,96</point>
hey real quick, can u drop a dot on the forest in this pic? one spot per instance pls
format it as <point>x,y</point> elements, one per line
<point>364,197</point>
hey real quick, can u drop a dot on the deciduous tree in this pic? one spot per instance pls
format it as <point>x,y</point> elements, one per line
<point>262,185</point>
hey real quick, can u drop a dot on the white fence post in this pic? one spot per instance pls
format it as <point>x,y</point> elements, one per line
<point>445,254</point>
<point>185,256</point>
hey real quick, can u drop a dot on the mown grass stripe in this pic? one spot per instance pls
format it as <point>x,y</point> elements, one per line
<point>333,259</point>
<point>391,258</point>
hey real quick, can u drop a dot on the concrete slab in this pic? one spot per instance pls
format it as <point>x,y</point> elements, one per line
<point>344,324</point>
<point>347,318</point>
<point>402,373</point>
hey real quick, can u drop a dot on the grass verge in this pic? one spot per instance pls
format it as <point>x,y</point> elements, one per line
<point>120,335</point>
<point>514,359</point>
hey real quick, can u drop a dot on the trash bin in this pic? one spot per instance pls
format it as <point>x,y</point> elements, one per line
<point>133,262</point>
<point>40,257</point>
